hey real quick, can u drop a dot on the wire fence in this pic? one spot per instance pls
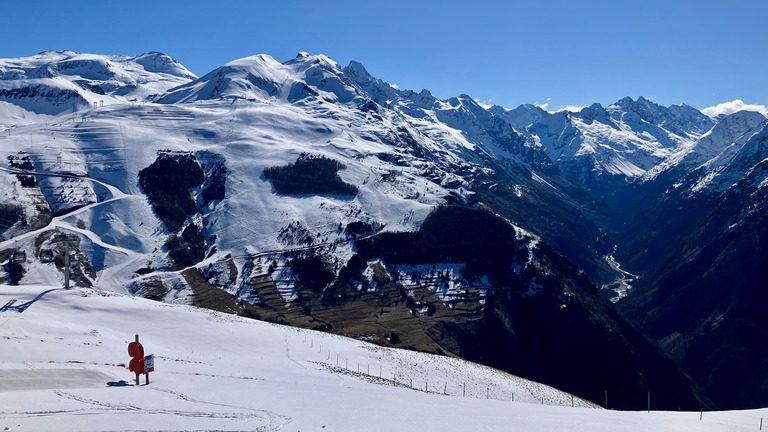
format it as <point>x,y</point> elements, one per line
<point>497,385</point>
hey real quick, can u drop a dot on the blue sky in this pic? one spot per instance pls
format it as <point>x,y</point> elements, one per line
<point>559,53</point>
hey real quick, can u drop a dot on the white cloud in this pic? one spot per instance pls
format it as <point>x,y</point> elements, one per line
<point>571,108</point>
<point>732,107</point>
<point>546,107</point>
<point>485,104</point>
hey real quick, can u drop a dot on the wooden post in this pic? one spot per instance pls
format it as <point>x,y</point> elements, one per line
<point>606,399</point>
<point>571,401</point>
<point>67,286</point>
<point>513,396</point>
<point>464,391</point>
<point>761,423</point>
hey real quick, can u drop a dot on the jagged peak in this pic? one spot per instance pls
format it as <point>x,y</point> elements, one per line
<point>306,60</point>
<point>358,69</point>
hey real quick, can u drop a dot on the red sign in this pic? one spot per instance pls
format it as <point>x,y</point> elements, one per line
<point>136,351</point>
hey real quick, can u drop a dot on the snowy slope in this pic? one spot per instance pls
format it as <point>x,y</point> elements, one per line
<point>250,114</point>
<point>64,357</point>
<point>709,164</point>
<point>51,83</point>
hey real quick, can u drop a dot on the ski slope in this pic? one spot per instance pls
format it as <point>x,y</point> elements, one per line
<point>64,356</point>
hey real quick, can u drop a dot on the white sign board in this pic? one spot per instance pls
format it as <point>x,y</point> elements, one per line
<point>149,363</point>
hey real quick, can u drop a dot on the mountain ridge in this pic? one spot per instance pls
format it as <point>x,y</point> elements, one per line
<point>407,154</point>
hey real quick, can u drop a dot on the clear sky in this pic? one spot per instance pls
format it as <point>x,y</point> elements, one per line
<point>560,52</point>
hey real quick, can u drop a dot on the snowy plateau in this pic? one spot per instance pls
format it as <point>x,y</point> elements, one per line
<point>322,197</point>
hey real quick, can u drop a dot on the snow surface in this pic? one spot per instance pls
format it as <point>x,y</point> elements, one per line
<point>62,367</point>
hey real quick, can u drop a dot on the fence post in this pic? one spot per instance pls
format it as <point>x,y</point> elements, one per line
<point>464,391</point>
<point>649,402</point>
<point>606,399</point>
<point>571,401</point>
<point>445,388</point>
<point>701,414</point>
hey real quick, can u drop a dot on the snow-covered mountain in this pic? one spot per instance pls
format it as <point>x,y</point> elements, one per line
<point>605,148</point>
<point>56,82</point>
<point>306,193</point>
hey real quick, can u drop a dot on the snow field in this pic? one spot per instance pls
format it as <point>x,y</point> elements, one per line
<point>221,372</point>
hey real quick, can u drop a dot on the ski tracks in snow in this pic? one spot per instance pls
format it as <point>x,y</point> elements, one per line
<point>233,418</point>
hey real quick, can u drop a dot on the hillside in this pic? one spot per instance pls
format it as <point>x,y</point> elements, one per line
<point>319,196</point>
<point>63,368</point>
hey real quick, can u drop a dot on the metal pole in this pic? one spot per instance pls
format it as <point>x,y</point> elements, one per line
<point>649,402</point>
<point>606,399</point>
<point>137,336</point>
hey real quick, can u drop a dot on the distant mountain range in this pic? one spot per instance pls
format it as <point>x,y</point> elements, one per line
<point>320,196</point>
